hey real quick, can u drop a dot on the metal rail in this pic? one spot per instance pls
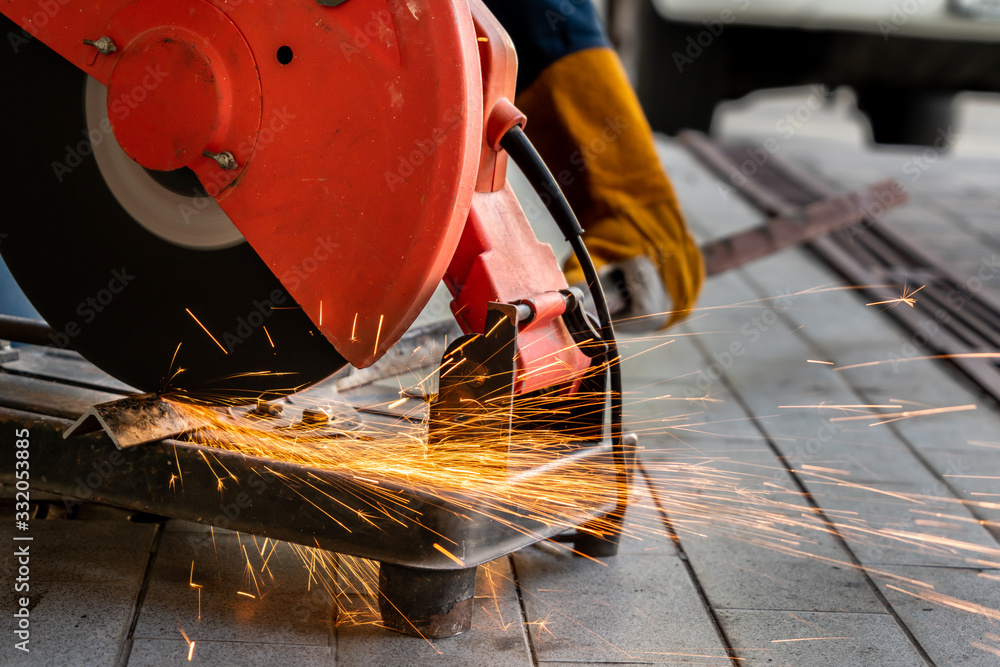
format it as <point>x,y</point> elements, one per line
<point>949,319</point>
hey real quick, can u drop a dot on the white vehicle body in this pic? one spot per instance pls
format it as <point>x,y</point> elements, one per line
<point>905,59</point>
<point>977,20</point>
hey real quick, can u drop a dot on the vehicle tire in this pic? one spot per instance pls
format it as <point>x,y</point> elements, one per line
<point>901,116</point>
<point>681,72</point>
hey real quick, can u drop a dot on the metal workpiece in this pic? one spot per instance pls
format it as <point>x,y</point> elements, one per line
<point>137,420</point>
<point>335,510</point>
<point>148,418</point>
<point>798,216</point>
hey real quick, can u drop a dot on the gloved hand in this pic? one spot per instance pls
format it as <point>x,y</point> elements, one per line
<point>585,120</point>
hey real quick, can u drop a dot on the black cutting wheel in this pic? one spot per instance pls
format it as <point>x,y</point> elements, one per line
<point>141,280</point>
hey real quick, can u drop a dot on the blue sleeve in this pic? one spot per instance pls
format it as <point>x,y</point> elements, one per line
<point>544,31</point>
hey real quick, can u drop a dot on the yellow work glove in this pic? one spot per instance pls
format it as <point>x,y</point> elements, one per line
<point>585,120</point>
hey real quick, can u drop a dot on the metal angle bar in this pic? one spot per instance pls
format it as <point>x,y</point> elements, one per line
<point>140,420</point>
<point>136,420</point>
<point>329,509</point>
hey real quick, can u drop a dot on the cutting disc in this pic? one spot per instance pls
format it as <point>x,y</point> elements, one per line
<point>139,272</point>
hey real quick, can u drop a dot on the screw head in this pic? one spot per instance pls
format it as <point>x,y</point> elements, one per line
<point>224,159</point>
<point>104,45</point>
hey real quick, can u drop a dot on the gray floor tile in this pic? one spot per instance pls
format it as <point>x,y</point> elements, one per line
<point>805,639</point>
<point>72,624</point>
<point>497,639</point>
<point>948,610</point>
<point>737,575</point>
<point>627,608</point>
<point>165,652</point>
<point>274,605</point>
<point>86,551</point>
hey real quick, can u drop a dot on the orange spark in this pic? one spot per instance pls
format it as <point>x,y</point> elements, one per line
<point>953,602</point>
<point>832,471</point>
<point>449,554</point>
<point>908,414</point>
<point>268,333</point>
<point>378,332</point>
<point>842,407</point>
<point>205,330</point>
<point>964,355</point>
<point>906,297</point>
<point>985,647</point>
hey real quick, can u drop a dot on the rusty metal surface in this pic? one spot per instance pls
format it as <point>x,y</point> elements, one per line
<point>136,420</point>
<point>809,222</point>
<point>140,420</point>
<point>948,319</point>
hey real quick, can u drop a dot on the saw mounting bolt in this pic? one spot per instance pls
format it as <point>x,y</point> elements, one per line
<point>103,45</point>
<point>225,159</point>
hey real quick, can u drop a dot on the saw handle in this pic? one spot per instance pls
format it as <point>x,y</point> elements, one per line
<point>517,145</point>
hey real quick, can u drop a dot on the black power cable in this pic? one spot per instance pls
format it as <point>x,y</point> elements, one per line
<point>524,154</point>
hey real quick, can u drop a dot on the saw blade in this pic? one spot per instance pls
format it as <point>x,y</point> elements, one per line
<point>159,292</point>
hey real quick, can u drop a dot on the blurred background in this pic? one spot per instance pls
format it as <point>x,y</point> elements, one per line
<point>910,72</point>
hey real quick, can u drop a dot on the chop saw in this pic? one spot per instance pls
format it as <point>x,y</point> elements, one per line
<point>234,199</point>
<point>259,193</point>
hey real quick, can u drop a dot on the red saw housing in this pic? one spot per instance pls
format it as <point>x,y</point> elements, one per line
<point>355,146</point>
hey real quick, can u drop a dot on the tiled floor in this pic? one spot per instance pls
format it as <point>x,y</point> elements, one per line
<point>767,530</point>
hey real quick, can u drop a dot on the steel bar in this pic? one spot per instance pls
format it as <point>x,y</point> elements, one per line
<point>948,319</point>
<point>810,222</point>
<point>330,509</point>
<point>26,330</point>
